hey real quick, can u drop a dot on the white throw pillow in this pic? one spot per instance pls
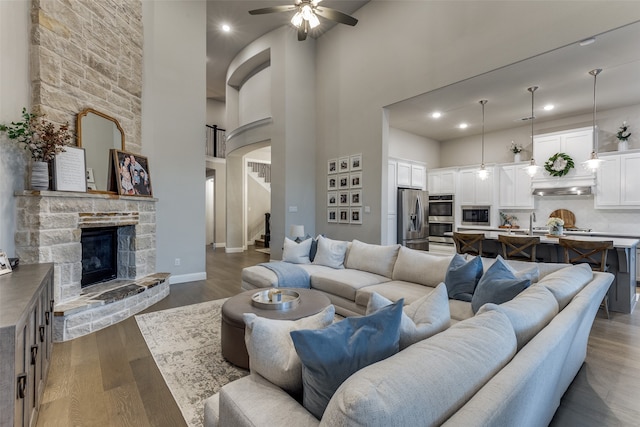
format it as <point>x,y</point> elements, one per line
<point>376,259</point>
<point>420,267</point>
<point>271,351</point>
<point>422,318</point>
<point>330,252</point>
<point>296,253</point>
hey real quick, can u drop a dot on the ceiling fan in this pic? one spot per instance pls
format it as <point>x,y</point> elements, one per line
<point>306,16</point>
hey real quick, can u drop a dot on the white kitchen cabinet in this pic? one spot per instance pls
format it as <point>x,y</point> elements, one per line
<point>577,143</point>
<point>617,182</point>
<point>410,175</point>
<point>442,181</point>
<point>515,187</point>
<point>473,190</point>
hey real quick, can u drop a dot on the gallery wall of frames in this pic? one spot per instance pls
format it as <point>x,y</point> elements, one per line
<point>344,190</point>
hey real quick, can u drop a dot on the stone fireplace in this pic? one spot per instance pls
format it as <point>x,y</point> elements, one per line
<point>50,228</point>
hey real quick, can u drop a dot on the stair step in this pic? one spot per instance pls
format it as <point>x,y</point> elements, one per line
<point>259,243</point>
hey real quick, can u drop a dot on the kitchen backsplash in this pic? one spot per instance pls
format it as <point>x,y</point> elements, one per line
<point>600,220</point>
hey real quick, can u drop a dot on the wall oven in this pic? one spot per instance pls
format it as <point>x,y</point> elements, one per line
<point>441,218</point>
<point>476,215</point>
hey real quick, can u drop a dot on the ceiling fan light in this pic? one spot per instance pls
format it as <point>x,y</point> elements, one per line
<point>314,21</point>
<point>307,12</point>
<point>297,19</point>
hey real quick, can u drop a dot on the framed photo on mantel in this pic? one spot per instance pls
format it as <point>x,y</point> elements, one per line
<point>131,173</point>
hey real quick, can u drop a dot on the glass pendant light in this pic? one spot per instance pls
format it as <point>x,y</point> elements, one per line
<point>594,162</point>
<point>483,173</point>
<point>532,168</point>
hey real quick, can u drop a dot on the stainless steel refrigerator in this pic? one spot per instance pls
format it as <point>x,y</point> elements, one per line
<point>413,228</point>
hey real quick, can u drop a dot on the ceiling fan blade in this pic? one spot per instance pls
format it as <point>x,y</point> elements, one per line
<point>335,15</point>
<point>302,32</point>
<point>283,8</point>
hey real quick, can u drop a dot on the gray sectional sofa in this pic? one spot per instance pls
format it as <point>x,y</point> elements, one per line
<point>507,364</point>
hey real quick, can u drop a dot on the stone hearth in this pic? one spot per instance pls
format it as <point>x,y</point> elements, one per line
<point>49,229</point>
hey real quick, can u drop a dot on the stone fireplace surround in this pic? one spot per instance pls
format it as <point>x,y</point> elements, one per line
<point>49,227</point>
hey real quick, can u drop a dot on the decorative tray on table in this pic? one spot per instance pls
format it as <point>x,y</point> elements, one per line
<point>275,299</point>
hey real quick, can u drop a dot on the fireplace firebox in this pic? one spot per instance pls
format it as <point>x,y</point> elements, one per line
<point>99,255</point>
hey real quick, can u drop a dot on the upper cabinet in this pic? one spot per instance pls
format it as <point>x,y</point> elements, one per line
<point>442,181</point>
<point>617,182</point>
<point>411,175</point>
<point>577,143</point>
<point>515,186</point>
<point>473,190</point>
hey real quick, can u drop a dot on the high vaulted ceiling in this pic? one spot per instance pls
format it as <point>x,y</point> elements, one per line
<point>222,47</point>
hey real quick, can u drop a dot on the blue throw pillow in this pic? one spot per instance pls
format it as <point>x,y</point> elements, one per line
<point>329,356</point>
<point>497,285</point>
<point>462,277</point>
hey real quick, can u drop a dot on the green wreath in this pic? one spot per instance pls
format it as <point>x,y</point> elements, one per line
<point>559,164</point>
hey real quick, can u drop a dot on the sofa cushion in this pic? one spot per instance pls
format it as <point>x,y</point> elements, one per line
<point>331,355</point>
<point>429,381</point>
<point>330,252</point>
<point>528,313</point>
<point>296,253</point>
<point>344,282</point>
<point>271,351</point>
<point>523,267</point>
<point>420,267</point>
<point>566,283</point>
<point>460,310</point>
<point>421,319</point>
<point>393,291</point>
<point>497,285</point>
<point>462,277</point>
<point>372,258</point>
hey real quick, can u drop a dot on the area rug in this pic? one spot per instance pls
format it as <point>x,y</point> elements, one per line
<point>185,344</point>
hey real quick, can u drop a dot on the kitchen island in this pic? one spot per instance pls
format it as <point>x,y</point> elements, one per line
<point>621,260</point>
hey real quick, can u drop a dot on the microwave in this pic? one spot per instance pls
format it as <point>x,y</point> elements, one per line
<point>476,215</point>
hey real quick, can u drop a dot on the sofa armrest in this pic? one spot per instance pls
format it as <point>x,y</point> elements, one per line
<point>254,401</point>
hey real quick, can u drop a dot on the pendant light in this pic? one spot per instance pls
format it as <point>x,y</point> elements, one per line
<point>483,173</point>
<point>594,162</point>
<point>532,168</point>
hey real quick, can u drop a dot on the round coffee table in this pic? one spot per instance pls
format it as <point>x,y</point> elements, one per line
<point>232,325</point>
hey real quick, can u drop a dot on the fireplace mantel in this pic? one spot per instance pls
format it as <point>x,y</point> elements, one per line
<point>49,227</point>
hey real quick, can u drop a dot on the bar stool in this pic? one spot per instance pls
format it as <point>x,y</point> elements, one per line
<point>521,248</point>
<point>468,243</point>
<point>592,252</point>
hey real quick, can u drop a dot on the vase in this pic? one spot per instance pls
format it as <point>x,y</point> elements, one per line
<point>623,145</point>
<point>516,157</point>
<point>557,230</point>
<point>40,176</point>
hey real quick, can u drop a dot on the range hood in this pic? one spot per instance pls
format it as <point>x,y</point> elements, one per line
<point>564,186</point>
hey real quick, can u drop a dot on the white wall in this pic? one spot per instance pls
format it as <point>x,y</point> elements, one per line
<point>174,115</point>
<point>14,95</point>
<point>255,97</point>
<point>361,69</point>
<point>409,146</point>
<point>216,114</point>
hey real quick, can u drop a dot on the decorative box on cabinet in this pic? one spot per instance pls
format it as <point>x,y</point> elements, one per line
<point>26,332</point>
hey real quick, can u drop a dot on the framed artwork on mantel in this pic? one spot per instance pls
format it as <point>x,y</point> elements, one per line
<point>132,174</point>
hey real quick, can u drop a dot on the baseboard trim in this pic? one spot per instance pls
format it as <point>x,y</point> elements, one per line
<point>191,277</point>
<point>233,250</point>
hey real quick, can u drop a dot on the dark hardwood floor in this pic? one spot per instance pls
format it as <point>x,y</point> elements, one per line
<point>108,378</point>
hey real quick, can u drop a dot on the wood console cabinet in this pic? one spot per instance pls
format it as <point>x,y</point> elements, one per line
<point>26,336</point>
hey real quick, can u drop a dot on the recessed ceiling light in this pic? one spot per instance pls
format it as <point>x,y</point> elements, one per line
<point>587,42</point>
<point>549,107</point>
<point>226,28</point>
<point>436,114</point>
<point>463,125</point>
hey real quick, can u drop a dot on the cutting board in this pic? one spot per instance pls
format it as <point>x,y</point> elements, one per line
<point>566,215</point>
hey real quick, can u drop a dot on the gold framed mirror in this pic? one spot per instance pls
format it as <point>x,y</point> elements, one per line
<point>97,134</point>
